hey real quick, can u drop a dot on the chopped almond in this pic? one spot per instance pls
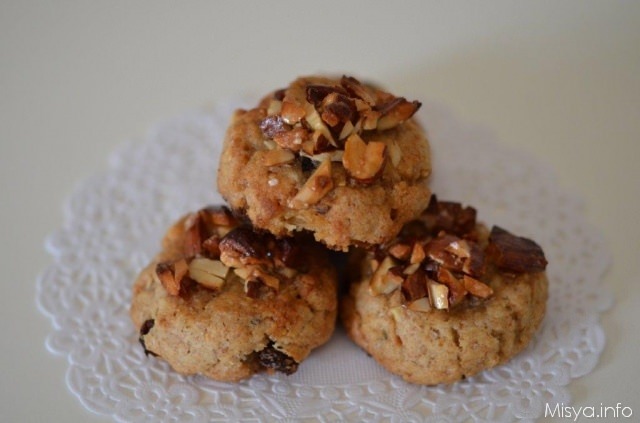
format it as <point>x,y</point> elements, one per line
<point>417,254</point>
<point>317,186</point>
<point>438,294</point>
<point>173,276</point>
<point>382,281</point>
<point>278,157</point>
<point>363,161</point>
<point>292,139</point>
<point>208,273</point>
<point>400,112</point>
<point>477,288</point>
<point>292,112</point>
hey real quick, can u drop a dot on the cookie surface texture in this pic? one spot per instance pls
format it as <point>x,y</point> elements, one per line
<point>245,304</point>
<point>448,320</point>
<point>332,156</point>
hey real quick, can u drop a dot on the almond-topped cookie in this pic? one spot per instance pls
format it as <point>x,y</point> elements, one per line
<point>447,298</point>
<point>336,157</point>
<point>226,302</point>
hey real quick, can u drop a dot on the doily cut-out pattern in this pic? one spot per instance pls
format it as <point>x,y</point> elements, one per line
<point>113,224</point>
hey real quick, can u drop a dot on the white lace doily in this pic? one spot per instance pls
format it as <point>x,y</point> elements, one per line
<point>113,224</point>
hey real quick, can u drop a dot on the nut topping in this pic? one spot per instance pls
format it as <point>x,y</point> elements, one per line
<point>477,288</point>
<point>515,254</point>
<point>356,89</point>
<point>396,112</point>
<point>438,295</point>
<point>241,247</point>
<point>383,281</point>
<point>363,162</point>
<point>208,273</point>
<point>317,186</point>
<point>278,157</point>
<point>291,112</point>
<point>440,260</point>
<point>174,277</point>
<point>415,286</point>
<point>214,242</point>
<point>319,119</point>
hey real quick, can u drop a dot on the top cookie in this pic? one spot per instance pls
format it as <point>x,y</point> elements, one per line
<point>335,157</point>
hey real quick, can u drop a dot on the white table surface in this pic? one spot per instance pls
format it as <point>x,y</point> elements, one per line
<point>560,80</point>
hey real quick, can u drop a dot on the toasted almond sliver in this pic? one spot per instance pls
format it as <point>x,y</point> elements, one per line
<point>317,186</point>
<point>278,157</point>
<point>208,273</point>
<point>477,288</point>
<point>380,282</point>
<point>438,294</point>
<point>417,254</point>
<point>274,107</point>
<point>410,270</point>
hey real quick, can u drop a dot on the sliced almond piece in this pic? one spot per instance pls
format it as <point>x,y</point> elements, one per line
<point>355,88</point>
<point>208,273</point>
<point>401,111</point>
<point>410,270</point>
<point>292,139</point>
<point>417,254</point>
<point>173,276</point>
<point>438,295</point>
<point>347,130</point>
<point>370,119</point>
<point>242,272</point>
<point>316,123</point>
<point>334,156</point>
<point>363,161</point>
<point>278,157</point>
<point>380,282</point>
<point>457,290</point>
<point>317,186</point>
<point>266,278</point>
<point>477,288</point>
<point>274,107</point>
<point>292,112</point>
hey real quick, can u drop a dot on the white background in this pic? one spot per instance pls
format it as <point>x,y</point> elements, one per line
<point>560,80</point>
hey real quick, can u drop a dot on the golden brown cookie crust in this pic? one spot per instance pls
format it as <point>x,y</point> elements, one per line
<point>350,213</point>
<point>441,346</point>
<point>218,334</point>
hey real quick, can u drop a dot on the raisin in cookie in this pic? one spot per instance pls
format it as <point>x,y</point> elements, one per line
<point>226,302</point>
<point>447,298</point>
<point>341,159</point>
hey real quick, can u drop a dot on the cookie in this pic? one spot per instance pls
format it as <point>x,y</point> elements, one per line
<point>341,159</point>
<point>227,302</point>
<point>447,298</point>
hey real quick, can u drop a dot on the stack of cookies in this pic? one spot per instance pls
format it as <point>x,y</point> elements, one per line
<point>336,165</point>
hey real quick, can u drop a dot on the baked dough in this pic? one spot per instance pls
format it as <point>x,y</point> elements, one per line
<point>373,181</point>
<point>243,327</point>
